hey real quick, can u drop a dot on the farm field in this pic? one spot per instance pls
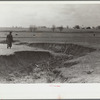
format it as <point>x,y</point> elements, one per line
<point>50,37</point>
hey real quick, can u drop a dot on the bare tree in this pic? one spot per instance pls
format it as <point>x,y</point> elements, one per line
<point>67,27</point>
<point>88,27</point>
<point>98,27</point>
<point>76,27</point>
<point>32,28</point>
<point>53,28</point>
<point>94,27</point>
<point>60,28</point>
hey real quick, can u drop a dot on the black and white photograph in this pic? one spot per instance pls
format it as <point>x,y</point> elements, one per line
<point>49,43</point>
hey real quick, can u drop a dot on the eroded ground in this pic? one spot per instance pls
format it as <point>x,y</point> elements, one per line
<point>49,63</point>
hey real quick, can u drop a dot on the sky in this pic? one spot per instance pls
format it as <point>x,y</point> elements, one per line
<point>23,14</point>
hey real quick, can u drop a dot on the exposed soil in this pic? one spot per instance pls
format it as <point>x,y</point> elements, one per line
<point>60,63</point>
<point>69,49</point>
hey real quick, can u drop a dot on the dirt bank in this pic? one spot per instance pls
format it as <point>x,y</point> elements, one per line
<point>69,49</point>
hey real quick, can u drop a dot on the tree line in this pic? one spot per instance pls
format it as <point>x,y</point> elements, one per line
<point>33,28</point>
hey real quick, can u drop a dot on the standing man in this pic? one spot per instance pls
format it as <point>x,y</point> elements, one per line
<point>9,40</point>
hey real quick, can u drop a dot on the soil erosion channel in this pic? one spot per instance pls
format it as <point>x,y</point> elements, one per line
<point>53,63</point>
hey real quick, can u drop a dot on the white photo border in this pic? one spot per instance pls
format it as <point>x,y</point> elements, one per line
<point>51,91</point>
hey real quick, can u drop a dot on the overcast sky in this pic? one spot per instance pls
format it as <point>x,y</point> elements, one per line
<point>48,14</point>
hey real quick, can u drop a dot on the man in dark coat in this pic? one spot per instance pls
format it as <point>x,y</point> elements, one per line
<point>9,40</point>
